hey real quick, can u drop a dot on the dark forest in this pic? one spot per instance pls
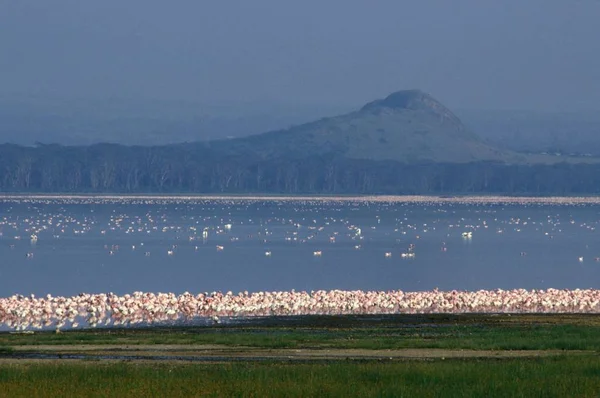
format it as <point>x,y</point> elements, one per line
<point>194,168</point>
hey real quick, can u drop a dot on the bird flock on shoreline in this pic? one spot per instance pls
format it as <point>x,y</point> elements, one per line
<point>21,313</point>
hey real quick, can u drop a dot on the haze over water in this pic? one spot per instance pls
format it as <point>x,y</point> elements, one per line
<point>125,247</point>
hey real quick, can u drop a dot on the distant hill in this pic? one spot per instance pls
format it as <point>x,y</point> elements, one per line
<point>407,126</point>
<point>406,143</point>
<point>26,120</point>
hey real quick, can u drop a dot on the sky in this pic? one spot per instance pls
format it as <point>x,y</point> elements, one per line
<point>471,54</point>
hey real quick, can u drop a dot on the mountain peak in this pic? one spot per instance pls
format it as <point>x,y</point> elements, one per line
<point>404,99</point>
<point>413,100</point>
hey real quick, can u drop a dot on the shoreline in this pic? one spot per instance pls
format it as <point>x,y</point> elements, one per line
<point>429,199</point>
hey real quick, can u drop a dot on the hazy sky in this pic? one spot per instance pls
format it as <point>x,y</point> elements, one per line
<point>533,54</point>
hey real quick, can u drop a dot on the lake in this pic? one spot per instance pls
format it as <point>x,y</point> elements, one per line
<point>65,246</point>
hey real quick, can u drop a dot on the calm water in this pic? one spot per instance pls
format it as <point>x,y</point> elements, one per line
<point>124,247</point>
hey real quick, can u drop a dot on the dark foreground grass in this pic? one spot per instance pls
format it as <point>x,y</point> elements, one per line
<point>544,377</point>
<point>514,336</point>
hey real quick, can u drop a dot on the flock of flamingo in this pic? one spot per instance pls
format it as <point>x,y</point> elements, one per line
<point>26,312</point>
<point>30,312</point>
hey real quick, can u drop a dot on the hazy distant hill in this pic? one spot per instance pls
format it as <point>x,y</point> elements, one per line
<point>406,143</point>
<point>407,126</point>
<point>26,120</point>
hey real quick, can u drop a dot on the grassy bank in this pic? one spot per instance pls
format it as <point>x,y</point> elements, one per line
<point>548,377</point>
<point>482,332</point>
<point>567,373</point>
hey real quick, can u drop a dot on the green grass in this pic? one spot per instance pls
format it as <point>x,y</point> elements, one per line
<point>548,377</point>
<point>514,336</point>
<point>557,376</point>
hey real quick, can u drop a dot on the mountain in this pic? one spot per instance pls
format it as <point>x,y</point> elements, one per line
<point>406,143</point>
<point>407,126</point>
<point>26,120</point>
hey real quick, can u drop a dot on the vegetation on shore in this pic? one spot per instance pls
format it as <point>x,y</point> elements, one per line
<point>570,373</point>
<point>547,377</point>
<point>197,169</point>
<point>471,332</point>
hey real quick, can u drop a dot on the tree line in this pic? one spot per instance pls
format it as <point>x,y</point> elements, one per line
<point>198,168</point>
